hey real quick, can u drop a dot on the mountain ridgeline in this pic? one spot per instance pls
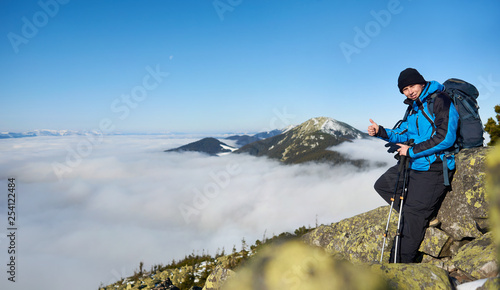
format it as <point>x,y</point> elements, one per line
<point>312,140</point>
<point>209,145</point>
<point>309,141</point>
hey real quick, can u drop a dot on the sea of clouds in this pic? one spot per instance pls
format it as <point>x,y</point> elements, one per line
<point>90,217</point>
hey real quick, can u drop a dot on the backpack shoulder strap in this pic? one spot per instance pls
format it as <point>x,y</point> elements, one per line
<point>430,102</point>
<point>408,110</point>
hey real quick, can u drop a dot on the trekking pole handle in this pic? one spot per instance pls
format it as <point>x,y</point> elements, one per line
<point>404,161</point>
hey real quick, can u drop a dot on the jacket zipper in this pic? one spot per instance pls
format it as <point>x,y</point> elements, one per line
<point>418,131</point>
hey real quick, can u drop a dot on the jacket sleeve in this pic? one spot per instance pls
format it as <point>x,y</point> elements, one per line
<point>446,123</point>
<point>397,135</point>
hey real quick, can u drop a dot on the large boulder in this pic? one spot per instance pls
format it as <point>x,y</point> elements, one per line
<point>478,258</point>
<point>295,265</point>
<point>357,239</point>
<point>434,242</point>
<point>414,276</point>
<point>464,211</point>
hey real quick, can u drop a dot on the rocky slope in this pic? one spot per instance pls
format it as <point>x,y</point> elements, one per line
<point>308,141</point>
<point>344,255</point>
<point>461,249</point>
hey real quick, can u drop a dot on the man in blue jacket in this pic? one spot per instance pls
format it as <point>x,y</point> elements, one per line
<point>433,134</point>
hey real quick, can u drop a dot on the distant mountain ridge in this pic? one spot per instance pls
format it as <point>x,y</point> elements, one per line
<point>207,145</point>
<point>47,132</point>
<point>242,140</point>
<point>213,146</point>
<point>308,141</point>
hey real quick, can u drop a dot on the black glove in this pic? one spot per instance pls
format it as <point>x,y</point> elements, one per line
<point>392,147</point>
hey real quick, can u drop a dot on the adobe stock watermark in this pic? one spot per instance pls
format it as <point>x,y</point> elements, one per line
<point>223,6</point>
<point>31,26</point>
<point>363,36</point>
<point>487,84</point>
<point>211,190</point>
<point>121,106</point>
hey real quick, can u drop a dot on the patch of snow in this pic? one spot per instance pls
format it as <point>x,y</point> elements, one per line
<point>334,127</point>
<point>471,285</point>
<point>289,128</point>
<point>228,148</point>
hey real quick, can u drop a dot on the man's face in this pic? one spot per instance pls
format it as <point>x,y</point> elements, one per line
<point>412,92</point>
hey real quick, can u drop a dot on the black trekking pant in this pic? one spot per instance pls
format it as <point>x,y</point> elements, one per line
<point>426,191</point>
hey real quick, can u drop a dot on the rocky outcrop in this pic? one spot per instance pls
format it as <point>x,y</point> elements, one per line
<point>462,244</point>
<point>414,276</point>
<point>464,211</point>
<point>295,265</point>
<point>357,239</point>
<point>460,249</point>
<point>477,258</point>
<point>223,270</point>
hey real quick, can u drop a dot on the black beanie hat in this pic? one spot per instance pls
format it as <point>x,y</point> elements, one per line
<point>409,76</point>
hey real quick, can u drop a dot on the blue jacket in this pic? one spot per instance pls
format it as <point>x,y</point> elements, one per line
<point>431,138</point>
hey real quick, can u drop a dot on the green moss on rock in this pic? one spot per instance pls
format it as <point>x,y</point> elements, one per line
<point>217,278</point>
<point>414,276</point>
<point>467,202</point>
<point>434,241</point>
<point>478,258</point>
<point>358,239</point>
<point>493,189</point>
<point>491,284</point>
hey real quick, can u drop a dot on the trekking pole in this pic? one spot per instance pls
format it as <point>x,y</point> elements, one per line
<point>392,148</point>
<point>406,161</point>
<point>389,216</point>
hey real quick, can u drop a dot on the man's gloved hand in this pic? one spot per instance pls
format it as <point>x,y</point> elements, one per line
<point>392,147</point>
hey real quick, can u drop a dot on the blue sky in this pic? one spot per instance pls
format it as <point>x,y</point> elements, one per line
<point>233,65</point>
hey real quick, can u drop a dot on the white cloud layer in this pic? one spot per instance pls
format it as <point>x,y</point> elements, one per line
<point>123,200</point>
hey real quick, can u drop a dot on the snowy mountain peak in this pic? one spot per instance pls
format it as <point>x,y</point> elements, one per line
<point>307,142</point>
<point>328,126</point>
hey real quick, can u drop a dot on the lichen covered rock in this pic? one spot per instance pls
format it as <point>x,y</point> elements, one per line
<point>414,276</point>
<point>434,242</point>
<point>357,239</point>
<point>466,204</point>
<point>491,284</point>
<point>478,258</point>
<point>493,189</point>
<point>220,274</point>
<point>295,265</point>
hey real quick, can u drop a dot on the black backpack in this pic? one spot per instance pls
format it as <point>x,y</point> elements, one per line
<point>464,95</point>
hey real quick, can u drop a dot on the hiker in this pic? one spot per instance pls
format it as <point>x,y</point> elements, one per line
<point>432,134</point>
